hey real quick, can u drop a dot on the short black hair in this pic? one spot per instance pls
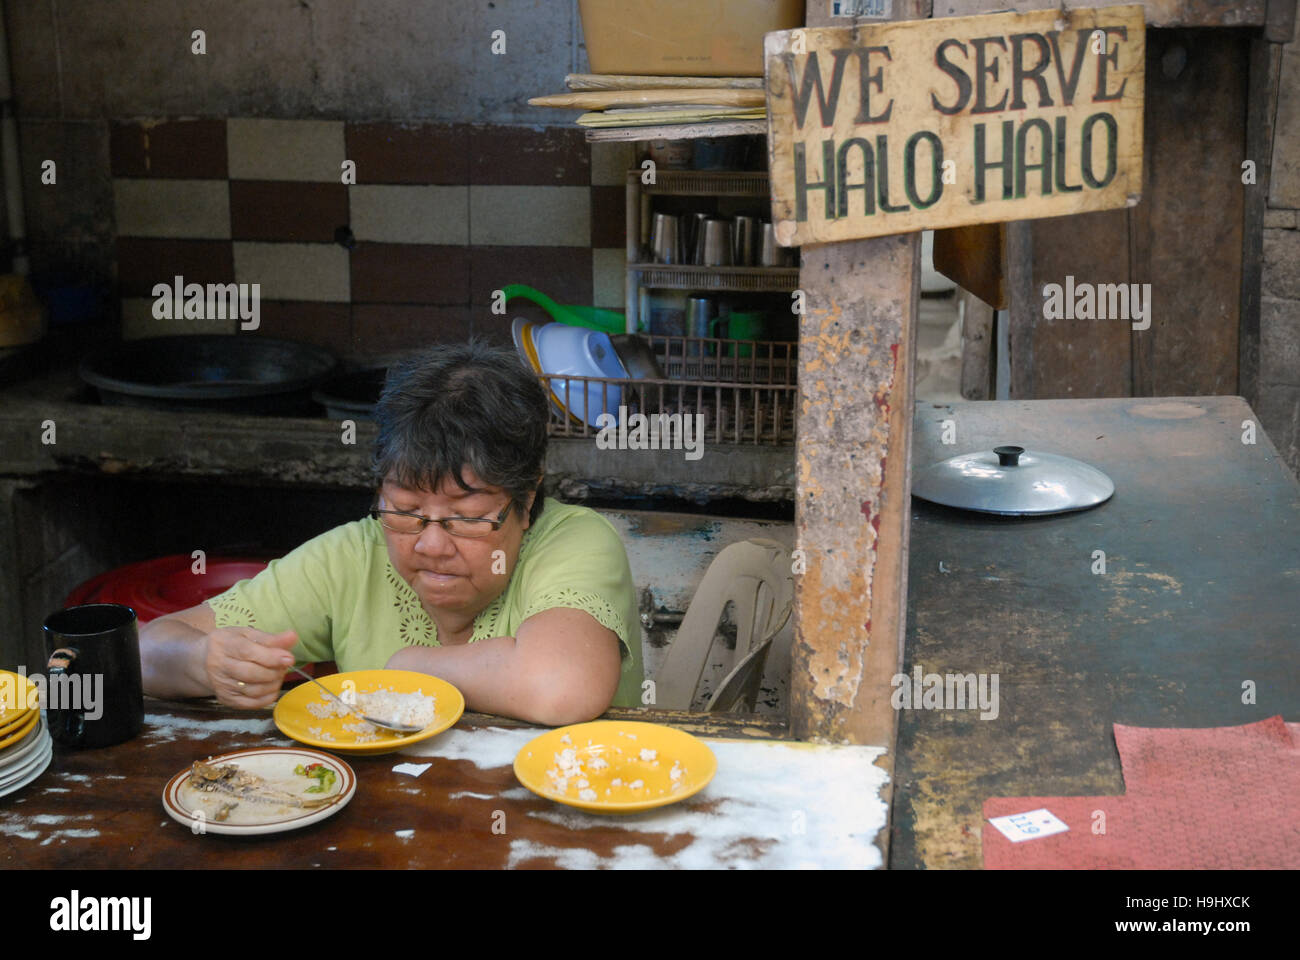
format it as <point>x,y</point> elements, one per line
<point>463,404</point>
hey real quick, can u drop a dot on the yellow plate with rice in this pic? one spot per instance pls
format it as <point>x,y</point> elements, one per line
<point>615,766</point>
<point>305,714</point>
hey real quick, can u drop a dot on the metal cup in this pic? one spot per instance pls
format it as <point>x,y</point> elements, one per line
<point>713,246</point>
<point>745,241</point>
<point>691,228</point>
<point>700,312</point>
<point>665,239</point>
<point>771,253</point>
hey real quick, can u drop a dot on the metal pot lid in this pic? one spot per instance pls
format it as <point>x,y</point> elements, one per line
<point>1013,481</point>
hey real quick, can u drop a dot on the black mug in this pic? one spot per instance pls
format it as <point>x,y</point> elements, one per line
<point>94,691</point>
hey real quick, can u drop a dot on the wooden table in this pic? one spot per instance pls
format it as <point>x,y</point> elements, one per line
<point>1200,595</point>
<point>772,804</point>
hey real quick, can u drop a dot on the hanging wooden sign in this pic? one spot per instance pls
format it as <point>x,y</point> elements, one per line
<point>895,127</point>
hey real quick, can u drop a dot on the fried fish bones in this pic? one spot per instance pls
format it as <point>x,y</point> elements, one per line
<point>239,784</point>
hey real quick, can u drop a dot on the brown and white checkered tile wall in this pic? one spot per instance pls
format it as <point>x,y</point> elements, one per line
<point>440,215</point>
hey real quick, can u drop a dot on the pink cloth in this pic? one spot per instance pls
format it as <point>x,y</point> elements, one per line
<point>1213,798</point>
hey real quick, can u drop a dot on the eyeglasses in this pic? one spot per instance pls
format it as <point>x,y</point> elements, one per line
<point>399,521</point>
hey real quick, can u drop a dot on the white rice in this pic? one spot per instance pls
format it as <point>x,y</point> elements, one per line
<point>410,709</point>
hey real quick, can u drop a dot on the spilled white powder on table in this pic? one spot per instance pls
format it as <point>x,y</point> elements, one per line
<point>165,728</point>
<point>404,834</point>
<point>63,836</point>
<point>755,795</point>
<point>487,747</point>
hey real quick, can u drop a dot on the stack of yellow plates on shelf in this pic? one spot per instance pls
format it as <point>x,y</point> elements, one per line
<point>25,745</point>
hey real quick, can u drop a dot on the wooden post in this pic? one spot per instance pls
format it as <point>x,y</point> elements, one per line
<point>857,340</point>
<point>856,345</point>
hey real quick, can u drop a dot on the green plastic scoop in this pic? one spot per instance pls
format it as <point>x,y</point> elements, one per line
<point>593,318</point>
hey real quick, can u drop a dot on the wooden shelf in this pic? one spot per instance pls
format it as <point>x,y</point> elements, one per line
<point>727,279</point>
<point>703,183</point>
<point>678,131</point>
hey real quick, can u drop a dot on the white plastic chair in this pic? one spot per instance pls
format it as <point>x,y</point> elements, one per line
<point>755,576</point>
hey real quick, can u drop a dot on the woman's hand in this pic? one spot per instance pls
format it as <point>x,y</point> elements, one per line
<point>245,667</point>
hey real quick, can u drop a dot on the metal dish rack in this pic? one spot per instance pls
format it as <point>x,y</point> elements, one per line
<point>743,399</point>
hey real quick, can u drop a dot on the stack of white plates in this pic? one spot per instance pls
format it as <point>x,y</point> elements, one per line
<point>25,745</point>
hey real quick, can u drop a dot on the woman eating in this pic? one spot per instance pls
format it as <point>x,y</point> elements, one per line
<point>462,570</point>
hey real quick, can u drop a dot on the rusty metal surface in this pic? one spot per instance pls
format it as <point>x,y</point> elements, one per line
<point>1201,594</point>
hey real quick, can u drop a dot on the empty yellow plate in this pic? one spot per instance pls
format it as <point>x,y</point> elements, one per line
<point>17,722</point>
<point>331,733</point>
<point>14,735</point>
<point>18,696</point>
<point>616,766</point>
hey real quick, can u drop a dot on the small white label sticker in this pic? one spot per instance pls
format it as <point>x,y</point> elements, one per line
<point>876,9</point>
<point>1029,826</point>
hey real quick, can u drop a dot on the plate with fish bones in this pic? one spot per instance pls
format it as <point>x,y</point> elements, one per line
<point>258,791</point>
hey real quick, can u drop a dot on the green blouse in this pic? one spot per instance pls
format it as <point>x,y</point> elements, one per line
<point>341,595</point>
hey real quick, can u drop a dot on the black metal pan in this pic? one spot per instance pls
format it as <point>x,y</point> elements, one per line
<point>231,374</point>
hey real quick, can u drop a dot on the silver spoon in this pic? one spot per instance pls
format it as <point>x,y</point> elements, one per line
<point>385,724</point>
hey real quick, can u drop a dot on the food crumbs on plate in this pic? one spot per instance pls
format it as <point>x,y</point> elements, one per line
<point>636,785</point>
<point>566,739</point>
<point>676,772</point>
<point>599,763</point>
<point>648,754</point>
<point>616,782</point>
<point>587,795</point>
<point>582,783</point>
